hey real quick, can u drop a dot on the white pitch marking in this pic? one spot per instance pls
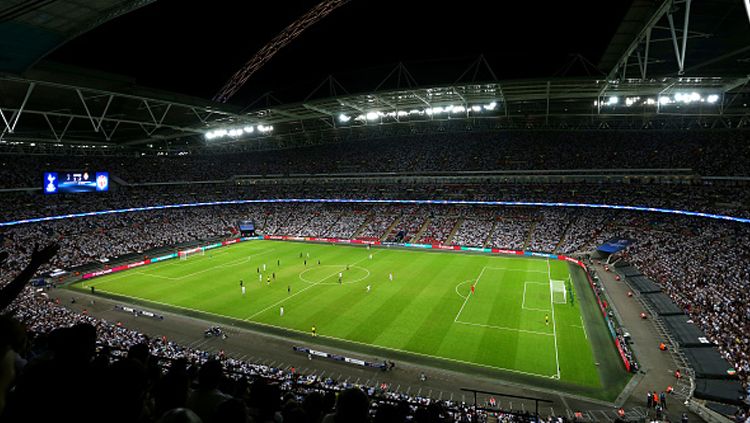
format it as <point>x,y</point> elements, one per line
<point>469,296</point>
<point>554,324</point>
<point>505,328</point>
<point>301,291</point>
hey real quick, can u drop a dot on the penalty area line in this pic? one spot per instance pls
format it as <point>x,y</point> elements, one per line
<point>301,291</point>
<point>488,366</point>
<point>469,296</point>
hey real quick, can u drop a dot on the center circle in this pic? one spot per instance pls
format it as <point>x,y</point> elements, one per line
<point>328,274</point>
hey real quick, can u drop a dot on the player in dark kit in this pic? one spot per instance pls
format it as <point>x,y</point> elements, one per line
<point>241,283</point>
<point>288,289</point>
<point>546,319</point>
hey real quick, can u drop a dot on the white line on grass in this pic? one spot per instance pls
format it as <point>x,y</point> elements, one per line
<point>455,360</point>
<point>456,289</point>
<point>512,269</point>
<point>523,302</point>
<point>554,324</point>
<point>469,296</point>
<point>143,271</point>
<point>583,327</point>
<point>303,290</point>
<point>505,328</point>
<point>111,278</point>
<point>232,263</point>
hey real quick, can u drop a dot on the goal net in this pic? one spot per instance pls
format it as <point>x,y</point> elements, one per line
<point>559,293</point>
<point>191,252</point>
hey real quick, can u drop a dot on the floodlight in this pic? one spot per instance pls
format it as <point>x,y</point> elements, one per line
<point>249,129</point>
<point>372,116</point>
<point>344,118</point>
<point>491,106</point>
<point>713,98</point>
<point>476,108</point>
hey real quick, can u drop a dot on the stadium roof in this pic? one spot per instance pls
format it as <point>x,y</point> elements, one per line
<point>646,75</point>
<point>650,39</point>
<point>30,30</point>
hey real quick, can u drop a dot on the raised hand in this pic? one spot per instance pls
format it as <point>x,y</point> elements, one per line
<point>43,256</point>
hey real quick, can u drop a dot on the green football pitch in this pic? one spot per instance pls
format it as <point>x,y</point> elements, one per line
<point>523,317</point>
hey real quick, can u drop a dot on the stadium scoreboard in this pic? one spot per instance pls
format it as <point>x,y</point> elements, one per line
<point>246,227</point>
<point>74,182</point>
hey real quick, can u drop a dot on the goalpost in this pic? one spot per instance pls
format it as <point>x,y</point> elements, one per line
<point>559,292</point>
<point>191,252</point>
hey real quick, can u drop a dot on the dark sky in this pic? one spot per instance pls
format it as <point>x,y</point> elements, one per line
<point>178,46</point>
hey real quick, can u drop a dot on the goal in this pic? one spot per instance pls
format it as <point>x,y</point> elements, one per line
<point>559,292</point>
<point>191,252</point>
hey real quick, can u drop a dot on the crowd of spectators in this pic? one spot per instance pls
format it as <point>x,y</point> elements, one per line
<point>549,230</point>
<point>701,263</point>
<point>438,230</point>
<point>473,232</point>
<point>724,153</point>
<point>706,270</point>
<point>711,198</point>
<point>89,369</point>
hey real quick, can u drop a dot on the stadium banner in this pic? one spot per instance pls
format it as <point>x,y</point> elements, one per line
<point>477,249</point>
<point>511,252</point>
<point>623,355</point>
<point>572,260</point>
<point>117,269</point>
<point>243,239</point>
<point>537,254</point>
<point>167,257</point>
<point>212,246</point>
<point>615,245</point>
<point>446,247</point>
<point>625,361</point>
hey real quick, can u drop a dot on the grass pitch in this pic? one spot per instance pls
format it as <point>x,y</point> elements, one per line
<point>427,309</point>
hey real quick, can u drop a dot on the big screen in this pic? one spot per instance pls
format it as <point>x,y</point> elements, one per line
<point>73,182</point>
<point>247,226</point>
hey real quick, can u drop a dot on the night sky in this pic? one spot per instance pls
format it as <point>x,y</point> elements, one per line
<point>173,45</point>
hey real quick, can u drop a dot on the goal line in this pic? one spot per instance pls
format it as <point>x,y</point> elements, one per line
<point>184,254</point>
<point>559,292</point>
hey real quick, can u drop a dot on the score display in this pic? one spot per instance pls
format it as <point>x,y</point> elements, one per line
<point>74,182</point>
<point>247,226</point>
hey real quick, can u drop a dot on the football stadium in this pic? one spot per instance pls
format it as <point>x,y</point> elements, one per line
<point>348,211</point>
